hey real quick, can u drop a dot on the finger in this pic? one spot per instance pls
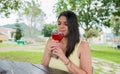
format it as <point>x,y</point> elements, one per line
<point>55,45</point>
<point>55,51</point>
<point>51,50</point>
<point>52,47</point>
<point>57,48</point>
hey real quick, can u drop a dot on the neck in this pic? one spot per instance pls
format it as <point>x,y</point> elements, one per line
<point>64,40</point>
<point>64,44</point>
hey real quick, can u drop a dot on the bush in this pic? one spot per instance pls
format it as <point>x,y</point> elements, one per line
<point>18,35</point>
<point>92,33</point>
<point>48,29</point>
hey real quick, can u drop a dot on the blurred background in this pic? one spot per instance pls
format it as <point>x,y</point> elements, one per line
<point>25,26</point>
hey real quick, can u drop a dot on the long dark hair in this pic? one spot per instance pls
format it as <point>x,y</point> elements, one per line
<point>73,31</point>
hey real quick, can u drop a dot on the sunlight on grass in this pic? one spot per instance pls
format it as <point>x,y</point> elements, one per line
<point>42,43</point>
<point>106,52</point>
<point>31,57</point>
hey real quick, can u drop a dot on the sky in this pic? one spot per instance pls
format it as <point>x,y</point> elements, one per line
<point>46,6</point>
<point>12,19</point>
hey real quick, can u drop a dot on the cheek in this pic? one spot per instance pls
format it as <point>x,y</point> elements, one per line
<point>66,32</point>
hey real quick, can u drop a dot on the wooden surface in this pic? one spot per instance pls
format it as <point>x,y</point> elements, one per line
<point>12,67</point>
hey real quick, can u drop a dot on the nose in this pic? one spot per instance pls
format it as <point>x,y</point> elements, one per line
<point>62,25</point>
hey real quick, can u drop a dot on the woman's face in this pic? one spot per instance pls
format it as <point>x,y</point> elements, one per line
<point>62,25</point>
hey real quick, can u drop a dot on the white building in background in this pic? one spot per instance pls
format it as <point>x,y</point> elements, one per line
<point>98,40</point>
<point>104,38</point>
<point>9,32</point>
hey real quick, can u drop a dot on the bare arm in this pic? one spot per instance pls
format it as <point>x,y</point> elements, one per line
<point>85,61</point>
<point>46,56</point>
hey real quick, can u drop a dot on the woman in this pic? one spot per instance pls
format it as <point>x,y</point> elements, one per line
<point>73,53</point>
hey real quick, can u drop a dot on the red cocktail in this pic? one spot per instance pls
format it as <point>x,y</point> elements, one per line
<point>57,35</point>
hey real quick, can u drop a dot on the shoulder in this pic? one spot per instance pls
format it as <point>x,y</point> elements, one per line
<point>83,47</point>
<point>84,44</point>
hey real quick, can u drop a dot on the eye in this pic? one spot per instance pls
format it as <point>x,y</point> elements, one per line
<point>59,23</point>
<point>66,24</point>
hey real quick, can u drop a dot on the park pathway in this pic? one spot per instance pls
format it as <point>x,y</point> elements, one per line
<point>27,47</point>
<point>100,66</point>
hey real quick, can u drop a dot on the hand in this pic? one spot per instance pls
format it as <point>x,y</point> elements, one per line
<point>59,52</point>
<point>51,43</point>
<point>61,55</point>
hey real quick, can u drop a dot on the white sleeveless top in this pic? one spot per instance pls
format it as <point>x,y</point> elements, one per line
<point>58,64</point>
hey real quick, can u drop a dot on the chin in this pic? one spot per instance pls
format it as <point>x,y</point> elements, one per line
<point>65,35</point>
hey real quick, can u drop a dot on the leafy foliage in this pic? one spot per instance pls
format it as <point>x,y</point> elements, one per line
<point>34,16</point>
<point>6,6</point>
<point>47,30</point>
<point>32,8</point>
<point>18,33</point>
<point>114,21</point>
<point>92,33</point>
<point>91,13</point>
<point>74,5</point>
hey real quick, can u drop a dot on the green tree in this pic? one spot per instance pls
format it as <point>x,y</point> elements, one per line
<point>117,5</point>
<point>7,6</point>
<point>93,32</point>
<point>47,30</point>
<point>114,21</point>
<point>18,33</point>
<point>74,5</point>
<point>91,13</point>
<point>34,17</point>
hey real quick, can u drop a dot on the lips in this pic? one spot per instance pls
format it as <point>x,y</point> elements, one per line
<point>62,31</point>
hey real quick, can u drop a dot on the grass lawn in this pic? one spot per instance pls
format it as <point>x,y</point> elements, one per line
<point>106,52</point>
<point>99,51</point>
<point>6,45</point>
<point>23,56</point>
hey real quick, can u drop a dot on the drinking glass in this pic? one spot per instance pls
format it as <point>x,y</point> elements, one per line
<point>56,35</point>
